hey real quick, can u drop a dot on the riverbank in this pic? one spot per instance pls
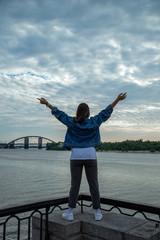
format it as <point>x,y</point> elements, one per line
<point>135,146</point>
<point>116,151</point>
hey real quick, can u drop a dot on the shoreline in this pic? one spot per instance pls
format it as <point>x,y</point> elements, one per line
<point>116,151</point>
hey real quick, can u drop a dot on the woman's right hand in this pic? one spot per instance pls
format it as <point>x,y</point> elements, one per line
<point>121,96</point>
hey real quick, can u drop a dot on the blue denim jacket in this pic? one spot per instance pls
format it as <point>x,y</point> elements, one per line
<point>85,134</point>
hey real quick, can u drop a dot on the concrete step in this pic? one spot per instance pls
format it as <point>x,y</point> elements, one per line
<point>113,226</point>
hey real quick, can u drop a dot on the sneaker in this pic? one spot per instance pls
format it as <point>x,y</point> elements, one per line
<point>68,216</point>
<point>98,216</point>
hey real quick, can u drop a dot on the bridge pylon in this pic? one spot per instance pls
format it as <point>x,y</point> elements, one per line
<point>26,142</point>
<point>40,143</point>
<point>11,145</point>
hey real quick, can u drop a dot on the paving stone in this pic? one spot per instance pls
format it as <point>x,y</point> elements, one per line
<point>145,231</point>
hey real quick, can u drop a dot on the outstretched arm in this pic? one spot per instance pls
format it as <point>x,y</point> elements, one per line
<point>60,115</point>
<point>44,101</point>
<point>120,97</point>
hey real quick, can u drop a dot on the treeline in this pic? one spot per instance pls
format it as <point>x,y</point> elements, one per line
<point>55,146</point>
<point>125,146</point>
<point>130,145</point>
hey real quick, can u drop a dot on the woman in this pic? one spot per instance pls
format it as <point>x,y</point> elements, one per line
<point>82,137</point>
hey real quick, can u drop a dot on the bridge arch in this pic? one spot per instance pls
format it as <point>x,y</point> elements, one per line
<point>11,144</point>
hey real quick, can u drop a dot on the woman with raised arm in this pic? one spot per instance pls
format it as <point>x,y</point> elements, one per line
<point>82,137</point>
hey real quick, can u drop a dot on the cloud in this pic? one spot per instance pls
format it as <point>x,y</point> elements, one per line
<point>84,51</point>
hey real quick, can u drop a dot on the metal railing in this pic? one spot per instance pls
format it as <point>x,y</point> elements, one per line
<point>46,207</point>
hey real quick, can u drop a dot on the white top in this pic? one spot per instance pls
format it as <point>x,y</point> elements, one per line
<point>83,153</point>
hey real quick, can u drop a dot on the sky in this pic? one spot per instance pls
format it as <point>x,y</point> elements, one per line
<point>73,51</point>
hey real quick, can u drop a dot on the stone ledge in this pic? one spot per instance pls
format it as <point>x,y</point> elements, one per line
<point>118,227</point>
<point>57,227</point>
<point>113,226</point>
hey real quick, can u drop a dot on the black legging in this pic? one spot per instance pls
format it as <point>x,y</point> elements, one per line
<point>76,167</point>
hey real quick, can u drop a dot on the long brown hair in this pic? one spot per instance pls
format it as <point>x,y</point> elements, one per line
<point>82,112</point>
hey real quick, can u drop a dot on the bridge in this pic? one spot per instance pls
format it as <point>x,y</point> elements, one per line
<point>28,142</point>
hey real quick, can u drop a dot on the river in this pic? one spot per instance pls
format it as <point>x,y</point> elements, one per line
<point>28,176</point>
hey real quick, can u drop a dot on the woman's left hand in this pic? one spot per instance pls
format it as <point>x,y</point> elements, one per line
<point>42,100</point>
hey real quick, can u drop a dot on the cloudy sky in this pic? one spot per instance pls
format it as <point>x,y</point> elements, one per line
<point>72,51</point>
